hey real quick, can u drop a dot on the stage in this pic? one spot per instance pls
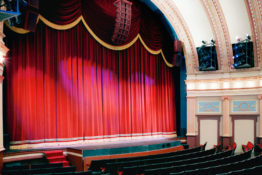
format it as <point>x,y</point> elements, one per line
<point>81,155</point>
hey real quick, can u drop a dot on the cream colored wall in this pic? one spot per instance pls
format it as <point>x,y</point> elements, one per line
<point>197,20</point>
<point>237,18</point>
<point>244,132</point>
<point>208,132</point>
<point>226,87</point>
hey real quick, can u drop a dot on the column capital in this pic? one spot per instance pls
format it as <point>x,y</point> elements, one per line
<point>226,97</point>
<point>259,96</point>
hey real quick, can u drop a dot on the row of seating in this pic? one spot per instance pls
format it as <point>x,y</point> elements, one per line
<point>98,165</point>
<point>75,173</point>
<point>141,168</point>
<point>42,170</point>
<point>248,171</point>
<point>199,165</point>
<point>117,166</point>
<point>228,168</point>
<point>33,166</point>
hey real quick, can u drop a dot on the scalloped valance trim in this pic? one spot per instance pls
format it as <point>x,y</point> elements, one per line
<point>100,41</point>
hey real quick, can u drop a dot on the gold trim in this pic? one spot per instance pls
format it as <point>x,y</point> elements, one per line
<point>16,29</point>
<point>100,41</point>
<point>60,27</point>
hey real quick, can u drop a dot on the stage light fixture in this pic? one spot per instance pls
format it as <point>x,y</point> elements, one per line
<point>207,57</point>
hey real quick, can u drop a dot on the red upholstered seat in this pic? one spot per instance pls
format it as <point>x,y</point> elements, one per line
<point>250,145</point>
<point>234,146</point>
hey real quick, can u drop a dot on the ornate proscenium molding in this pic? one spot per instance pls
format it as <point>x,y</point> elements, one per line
<point>123,21</point>
<point>254,9</point>
<point>220,32</point>
<point>170,10</point>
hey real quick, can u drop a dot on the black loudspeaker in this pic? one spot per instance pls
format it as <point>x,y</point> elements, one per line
<point>243,55</point>
<point>207,58</point>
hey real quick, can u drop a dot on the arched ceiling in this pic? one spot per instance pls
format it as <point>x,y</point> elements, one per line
<point>221,20</point>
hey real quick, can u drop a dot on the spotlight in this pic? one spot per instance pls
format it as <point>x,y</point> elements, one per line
<point>238,38</point>
<point>248,37</point>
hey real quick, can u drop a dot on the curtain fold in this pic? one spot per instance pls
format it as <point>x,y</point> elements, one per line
<point>63,85</point>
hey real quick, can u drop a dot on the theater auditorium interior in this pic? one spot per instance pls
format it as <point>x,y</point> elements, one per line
<point>127,87</point>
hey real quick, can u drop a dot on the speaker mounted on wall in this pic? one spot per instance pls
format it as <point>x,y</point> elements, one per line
<point>122,21</point>
<point>243,54</point>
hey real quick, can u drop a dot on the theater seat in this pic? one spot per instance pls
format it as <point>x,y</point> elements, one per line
<point>232,147</point>
<point>244,148</point>
<point>247,147</point>
<point>218,147</point>
<point>257,149</point>
<point>250,145</point>
<point>203,147</point>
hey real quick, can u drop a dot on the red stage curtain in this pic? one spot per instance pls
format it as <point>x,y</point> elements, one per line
<point>64,86</point>
<point>100,16</point>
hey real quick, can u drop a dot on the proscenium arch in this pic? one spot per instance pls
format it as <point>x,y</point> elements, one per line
<point>177,29</point>
<point>171,12</point>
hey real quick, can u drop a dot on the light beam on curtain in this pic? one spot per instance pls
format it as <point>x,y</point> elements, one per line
<point>65,86</point>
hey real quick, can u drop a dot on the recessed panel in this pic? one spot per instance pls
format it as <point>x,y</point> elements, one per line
<point>208,133</point>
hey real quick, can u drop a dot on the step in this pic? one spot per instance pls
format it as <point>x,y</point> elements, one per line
<point>65,163</point>
<point>53,153</point>
<point>56,159</point>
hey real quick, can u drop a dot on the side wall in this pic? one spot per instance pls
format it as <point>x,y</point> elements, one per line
<point>234,102</point>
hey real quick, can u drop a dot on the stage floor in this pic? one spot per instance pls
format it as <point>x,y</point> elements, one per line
<point>106,144</point>
<point>127,143</point>
<point>127,146</point>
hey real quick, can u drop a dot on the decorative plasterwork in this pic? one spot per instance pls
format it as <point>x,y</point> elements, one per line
<point>225,86</point>
<point>220,32</point>
<point>254,9</point>
<point>171,12</point>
